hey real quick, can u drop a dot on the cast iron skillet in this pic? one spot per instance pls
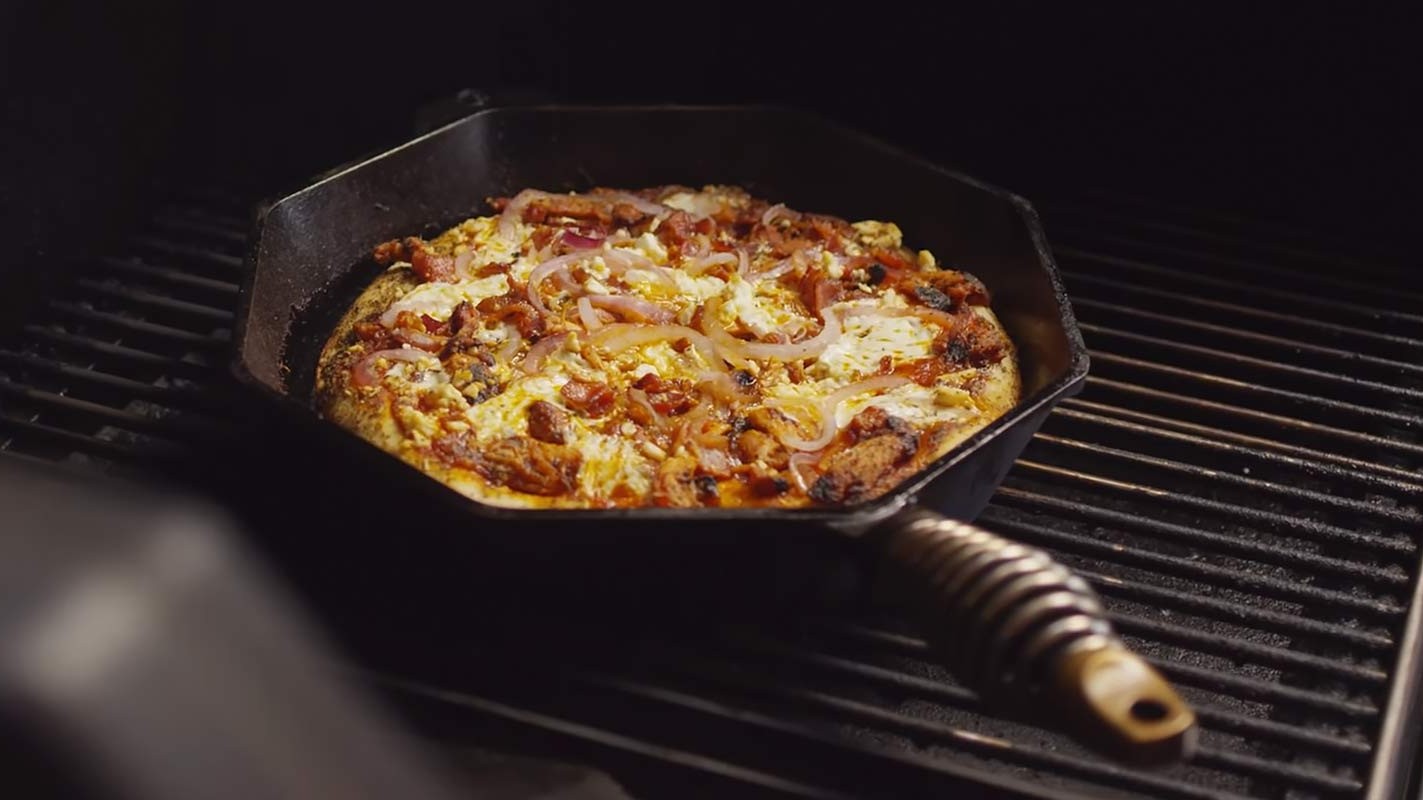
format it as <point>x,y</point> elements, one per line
<point>1011,623</point>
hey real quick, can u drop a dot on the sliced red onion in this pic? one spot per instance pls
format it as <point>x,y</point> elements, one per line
<point>578,241</point>
<point>743,262</point>
<point>510,346</point>
<point>631,309</point>
<point>699,265</point>
<point>826,408</point>
<point>514,213</point>
<point>782,267</point>
<point>548,268</point>
<point>462,270</point>
<point>639,397</point>
<point>800,465</point>
<point>720,385</point>
<point>620,261</point>
<point>645,206</point>
<point>620,336</point>
<point>534,359</point>
<point>419,339</point>
<point>776,211</point>
<point>363,371</point>
<point>587,315</point>
<point>737,351</point>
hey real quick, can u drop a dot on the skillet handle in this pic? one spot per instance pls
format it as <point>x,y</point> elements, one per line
<point>1024,632</point>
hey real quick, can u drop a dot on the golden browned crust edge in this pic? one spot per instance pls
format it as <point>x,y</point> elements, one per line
<point>364,413</point>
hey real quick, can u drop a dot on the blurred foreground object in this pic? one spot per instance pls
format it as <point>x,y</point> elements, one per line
<point>144,656</point>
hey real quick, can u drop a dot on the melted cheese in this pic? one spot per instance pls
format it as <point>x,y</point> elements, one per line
<point>438,300</point>
<point>867,339</point>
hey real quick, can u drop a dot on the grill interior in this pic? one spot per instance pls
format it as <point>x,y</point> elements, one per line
<point>1240,481</point>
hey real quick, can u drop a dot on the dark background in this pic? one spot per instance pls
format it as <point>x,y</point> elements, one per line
<point>1279,112</point>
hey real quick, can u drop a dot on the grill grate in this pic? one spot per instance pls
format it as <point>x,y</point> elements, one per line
<point>1242,481</point>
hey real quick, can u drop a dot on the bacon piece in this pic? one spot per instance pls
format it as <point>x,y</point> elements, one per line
<point>593,399</point>
<point>768,485</point>
<point>626,214</point>
<point>520,463</point>
<point>432,267</point>
<point>818,291</point>
<point>547,422</point>
<point>387,253</point>
<point>462,317</point>
<point>870,465</point>
<point>429,265</point>
<point>958,287</point>
<point>900,258</point>
<point>924,371</point>
<point>374,334</point>
<point>772,421</point>
<point>677,485</point>
<point>514,307</point>
<point>669,398</point>
<point>562,205</point>
<point>675,229</point>
<point>754,445</point>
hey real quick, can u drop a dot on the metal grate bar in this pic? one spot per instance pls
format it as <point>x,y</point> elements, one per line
<point>168,275</point>
<point>154,329</point>
<point>188,252</point>
<point>1244,651</point>
<point>1268,319</point>
<point>1294,527</point>
<point>1243,615</point>
<point>105,414</point>
<point>147,451</point>
<point>939,691</point>
<point>1212,680</point>
<point>1012,495</point>
<point>142,359</point>
<point>1259,392</point>
<point>1207,475</point>
<point>1199,405</point>
<point>1327,308</point>
<point>1314,462</point>
<point>1062,541</point>
<point>171,395</point>
<point>189,221</point>
<point>149,299</point>
<point>1394,296</point>
<point>958,738</point>
<point>1259,364</point>
<point>1351,359</point>
<point>1248,235</point>
<point>653,750</point>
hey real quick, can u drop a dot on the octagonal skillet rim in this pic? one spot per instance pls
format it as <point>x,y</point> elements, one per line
<point>852,519</point>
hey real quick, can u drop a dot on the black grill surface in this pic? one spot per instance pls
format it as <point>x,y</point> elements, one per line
<point>1241,481</point>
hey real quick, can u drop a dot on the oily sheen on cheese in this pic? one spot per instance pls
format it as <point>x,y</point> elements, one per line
<point>666,347</point>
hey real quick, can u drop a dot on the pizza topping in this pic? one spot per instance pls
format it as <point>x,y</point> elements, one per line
<point>678,347</point>
<point>593,399</point>
<point>547,422</point>
<point>878,444</point>
<point>363,373</point>
<point>631,309</point>
<point>524,465</point>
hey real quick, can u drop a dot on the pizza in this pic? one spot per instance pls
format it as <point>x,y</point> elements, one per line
<point>665,347</point>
